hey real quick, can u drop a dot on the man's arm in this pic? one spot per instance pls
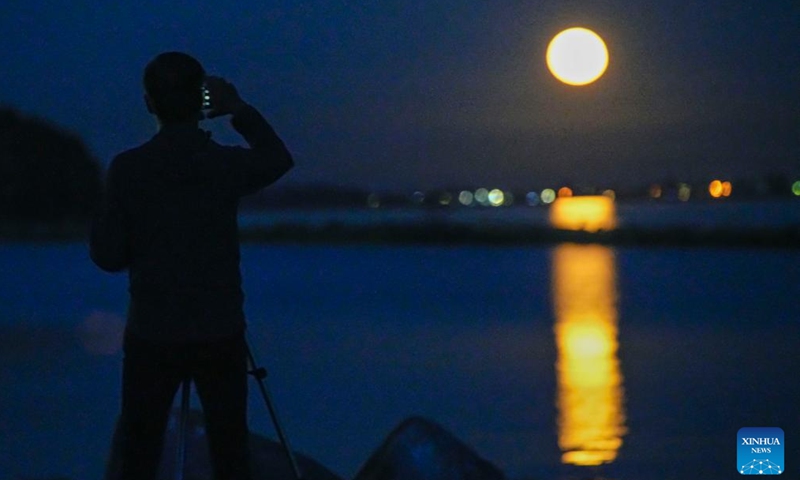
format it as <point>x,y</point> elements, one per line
<point>268,159</point>
<point>108,238</point>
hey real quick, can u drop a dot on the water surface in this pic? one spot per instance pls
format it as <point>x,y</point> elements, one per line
<point>650,359</point>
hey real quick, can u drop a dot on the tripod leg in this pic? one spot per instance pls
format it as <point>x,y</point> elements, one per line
<point>260,374</point>
<point>183,426</point>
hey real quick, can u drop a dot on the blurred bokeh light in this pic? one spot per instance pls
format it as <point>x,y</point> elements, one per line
<point>684,192</point>
<point>466,198</point>
<point>587,213</point>
<point>496,197</point>
<point>655,191</point>
<point>548,196</point>
<point>719,189</point>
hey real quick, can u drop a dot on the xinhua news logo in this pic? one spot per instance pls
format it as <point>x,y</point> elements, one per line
<point>760,451</point>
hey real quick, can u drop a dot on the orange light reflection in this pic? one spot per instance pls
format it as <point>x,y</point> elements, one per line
<point>591,418</point>
<point>589,213</point>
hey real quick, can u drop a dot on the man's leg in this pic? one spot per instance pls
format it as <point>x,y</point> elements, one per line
<point>150,378</point>
<point>220,376</point>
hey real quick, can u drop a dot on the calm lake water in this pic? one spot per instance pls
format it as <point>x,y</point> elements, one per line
<point>544,359</point>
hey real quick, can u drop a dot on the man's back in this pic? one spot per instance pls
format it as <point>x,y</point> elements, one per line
<point>176,198</point>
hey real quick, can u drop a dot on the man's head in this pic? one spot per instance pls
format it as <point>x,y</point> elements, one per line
<point>173,83</point>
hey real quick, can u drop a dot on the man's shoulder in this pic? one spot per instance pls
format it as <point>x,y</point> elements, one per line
<point>137,150</point>
<point>126,158</point>
<point>155,149</point>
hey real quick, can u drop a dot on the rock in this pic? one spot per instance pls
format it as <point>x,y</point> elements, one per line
<point>419,449</point>
<point>268,458</point>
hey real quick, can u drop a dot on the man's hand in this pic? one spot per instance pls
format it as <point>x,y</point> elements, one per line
<point>225,99</point>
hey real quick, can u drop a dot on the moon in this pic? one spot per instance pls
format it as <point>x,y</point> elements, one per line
<point>577,56</point>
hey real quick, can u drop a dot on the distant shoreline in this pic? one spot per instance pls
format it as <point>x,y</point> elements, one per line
<point>518,235</point>
<point>444,233</point>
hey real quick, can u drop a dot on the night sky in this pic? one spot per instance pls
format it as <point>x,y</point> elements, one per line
<point>418,94</point>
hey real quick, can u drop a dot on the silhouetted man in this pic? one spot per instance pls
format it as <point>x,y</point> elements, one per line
<point>170,218</point>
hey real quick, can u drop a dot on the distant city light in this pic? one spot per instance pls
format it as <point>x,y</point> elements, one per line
<point>655,191</point>
<point>796,188</point>
<point>482,196</point>
<point>548,195</point>
<point>684,192</point>
<point>715,188</point>
<point>727,189</point>
<point>496,197</point>
<point>532,199</point>
<point>466,198</point>
<point>718,188</point>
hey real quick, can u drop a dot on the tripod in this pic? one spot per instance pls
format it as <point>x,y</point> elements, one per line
<point>260,374</point>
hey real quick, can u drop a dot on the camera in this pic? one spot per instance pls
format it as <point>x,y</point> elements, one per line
<point>206,98</point>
